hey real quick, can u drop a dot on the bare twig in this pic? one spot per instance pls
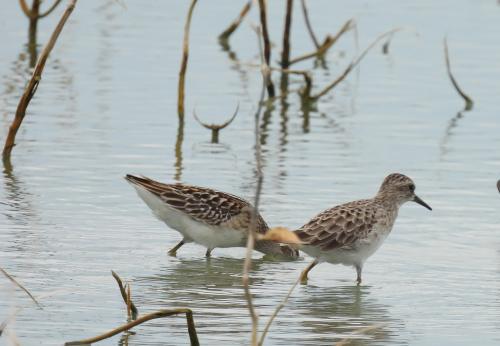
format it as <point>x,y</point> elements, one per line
<point>308,25</point>
<point>253,224</point>
<point>14,281</point>
<point>49,11</point>
<point>157,314</point>
<point>30,90</point>
<point>267,45</point>
<point>277,310</point>
<point>351,66</point>
<point>26,10</point>
<point>498,185</point>
<point>224,36</point>
<point>126,297</point>
<point>468,101</point>
<point>9,319</point>
<point>285,54</point>
<point>327,43</point>
<point>34,14</point>
<point>184,62</point>
<point>129,304</point>
<point>215,127</point>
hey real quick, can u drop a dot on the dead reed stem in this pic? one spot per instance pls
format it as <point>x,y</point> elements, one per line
<point>327,43</point>
<point>253,224</point>
<point>224,36</point>
<point>277,310</point>
<point>184,62</point>
<point>267,45</point>
<point>131,308</point>
<point>285,54</point>
<point>308,25</point>
<point>32,86</point>
<point>215,128</point>
<point>14,281</point>
<point>193,337</point>
<point>468,101</point>
<point>352,65</point>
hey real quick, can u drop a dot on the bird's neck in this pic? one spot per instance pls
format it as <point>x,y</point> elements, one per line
<point>388,202</point>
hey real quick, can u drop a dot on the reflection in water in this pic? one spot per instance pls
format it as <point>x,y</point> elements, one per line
<point>331,314</point>
<point>19,209</point>
<point>236,65</point>
<point>449,133</point>
<point>266,121</point>
<point>211,287</point>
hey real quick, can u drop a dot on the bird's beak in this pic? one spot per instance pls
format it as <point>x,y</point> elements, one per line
<point>418,200</point>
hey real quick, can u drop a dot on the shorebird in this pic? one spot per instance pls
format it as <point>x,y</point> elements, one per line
<point>205,216</point>
<point>350,233</point>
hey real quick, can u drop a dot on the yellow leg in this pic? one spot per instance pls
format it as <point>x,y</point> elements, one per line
<point>303,275</point>
<point>173,251</point>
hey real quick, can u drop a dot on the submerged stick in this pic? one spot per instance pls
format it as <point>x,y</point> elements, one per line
<point>31,88</point>
<point>184,62</point>
<point>126,297</point>
<point>215,127</point>
<point>267,45</point>
<point>224,36</point>
<point>468,101</point>
<point>352,65</point>
<point>308,24</point>
<point>327,43</point>
<point>14,281</point>
<point>193,337</point>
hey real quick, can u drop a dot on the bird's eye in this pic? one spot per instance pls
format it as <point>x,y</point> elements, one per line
<point>412,187</point>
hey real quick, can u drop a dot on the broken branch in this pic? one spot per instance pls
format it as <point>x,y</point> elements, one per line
<point>468,101</point>
<point>30,90</point>
<point>126,297</point>
<point>154,315</point>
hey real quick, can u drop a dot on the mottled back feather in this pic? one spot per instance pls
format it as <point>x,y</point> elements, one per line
<point>203,204</point>
<point>340,226</point>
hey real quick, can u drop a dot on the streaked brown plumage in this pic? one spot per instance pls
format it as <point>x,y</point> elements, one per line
<point>349,233</point>
<point>205,216</point>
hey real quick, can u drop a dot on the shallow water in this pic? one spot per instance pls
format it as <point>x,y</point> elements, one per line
<point>107,107</point>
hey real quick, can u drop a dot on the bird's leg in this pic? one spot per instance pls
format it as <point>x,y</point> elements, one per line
<point>208,253</point>
<point>359,268</point>
<point>173,251</point>
<point>303,275</point>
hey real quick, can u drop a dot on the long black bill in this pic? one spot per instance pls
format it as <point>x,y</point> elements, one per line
<point>418,200</point>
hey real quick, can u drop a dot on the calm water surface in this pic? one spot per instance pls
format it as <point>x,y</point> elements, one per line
<point>107,107</point>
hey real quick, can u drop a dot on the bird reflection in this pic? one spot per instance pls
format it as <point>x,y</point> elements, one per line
<point>344,315</point>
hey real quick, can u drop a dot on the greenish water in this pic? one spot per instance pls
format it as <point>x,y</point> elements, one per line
<point>107,106</point>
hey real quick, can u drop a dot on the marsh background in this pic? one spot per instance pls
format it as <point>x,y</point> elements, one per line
<point>107,106</point>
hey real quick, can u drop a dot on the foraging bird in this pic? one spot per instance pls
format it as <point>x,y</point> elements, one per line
<point>350,233</point>
<point>205,216</point>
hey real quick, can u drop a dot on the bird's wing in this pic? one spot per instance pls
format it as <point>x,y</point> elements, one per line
<point>203,204</point>
<point>340,226</point>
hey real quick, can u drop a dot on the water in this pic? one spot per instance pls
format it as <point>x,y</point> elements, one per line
<point>107,106</point>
